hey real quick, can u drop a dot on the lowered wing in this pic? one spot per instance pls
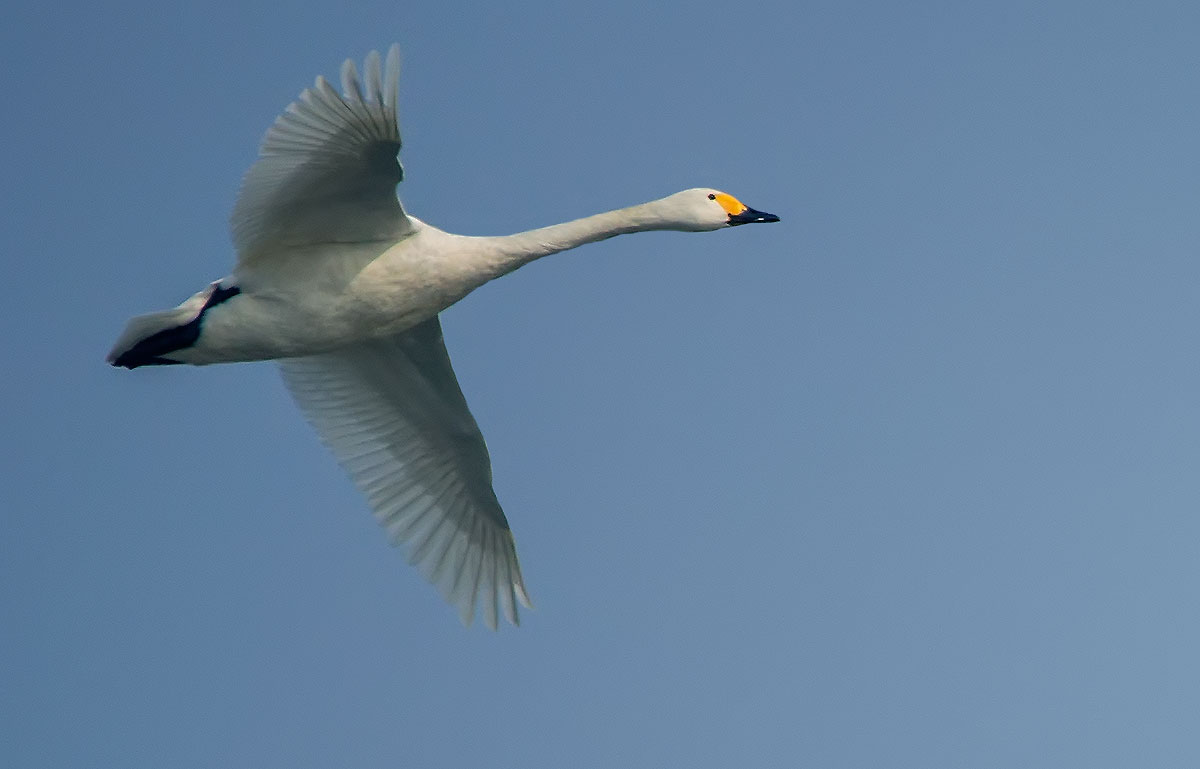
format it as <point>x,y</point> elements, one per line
<point>392,413</point>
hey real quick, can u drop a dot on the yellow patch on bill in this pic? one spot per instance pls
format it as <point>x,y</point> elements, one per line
<point>732,205</point>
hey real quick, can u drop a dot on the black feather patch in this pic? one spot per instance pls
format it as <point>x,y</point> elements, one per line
<point>150,351</point>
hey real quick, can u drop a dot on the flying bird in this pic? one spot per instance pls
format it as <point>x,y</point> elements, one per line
<point>342,287</point>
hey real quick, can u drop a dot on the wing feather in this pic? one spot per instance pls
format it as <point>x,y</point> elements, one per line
<point>490,587</point>
<point>394,416</point>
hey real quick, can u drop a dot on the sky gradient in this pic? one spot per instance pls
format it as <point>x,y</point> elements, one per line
<point>906,480</point>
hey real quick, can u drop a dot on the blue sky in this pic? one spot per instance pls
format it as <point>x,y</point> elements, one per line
<point>906,480</point>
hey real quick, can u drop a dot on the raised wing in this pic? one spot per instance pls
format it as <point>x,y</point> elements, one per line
<point>392,413</point>
<point>327,169</point>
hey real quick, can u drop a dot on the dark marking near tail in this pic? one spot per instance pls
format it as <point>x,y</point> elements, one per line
<point>150,351</point>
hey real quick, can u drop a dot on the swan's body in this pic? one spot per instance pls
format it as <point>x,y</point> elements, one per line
<point>336,282</point>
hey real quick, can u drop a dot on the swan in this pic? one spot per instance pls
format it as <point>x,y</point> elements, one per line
<point>336,282</point>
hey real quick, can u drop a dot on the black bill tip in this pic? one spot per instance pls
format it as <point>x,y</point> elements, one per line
<point>750,216</point>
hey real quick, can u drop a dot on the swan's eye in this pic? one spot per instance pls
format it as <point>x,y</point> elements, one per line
<point>712,196</point>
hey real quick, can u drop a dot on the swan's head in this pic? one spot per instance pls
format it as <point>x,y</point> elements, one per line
<point>702,209</point>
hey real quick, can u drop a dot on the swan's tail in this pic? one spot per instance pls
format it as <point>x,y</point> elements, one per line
<point>148,339</point>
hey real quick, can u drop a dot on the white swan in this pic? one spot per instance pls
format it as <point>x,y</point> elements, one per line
<point>339,284</point>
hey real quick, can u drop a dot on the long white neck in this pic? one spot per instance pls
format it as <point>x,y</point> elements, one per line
<point>501,255</point>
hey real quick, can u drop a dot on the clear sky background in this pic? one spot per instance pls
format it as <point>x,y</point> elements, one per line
<point>906,480</point>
